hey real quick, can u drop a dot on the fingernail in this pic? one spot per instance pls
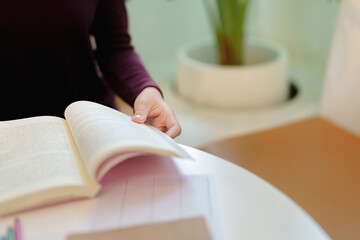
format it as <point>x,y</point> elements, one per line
<point>138,116</point>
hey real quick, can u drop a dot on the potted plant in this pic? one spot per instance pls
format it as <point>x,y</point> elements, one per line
<point>228,25</point>
<point>232,70</point>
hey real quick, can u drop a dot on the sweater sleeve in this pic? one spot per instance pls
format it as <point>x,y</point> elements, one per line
<point>116,57</point>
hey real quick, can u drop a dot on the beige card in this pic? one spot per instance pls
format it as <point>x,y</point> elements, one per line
<point>192,228</point>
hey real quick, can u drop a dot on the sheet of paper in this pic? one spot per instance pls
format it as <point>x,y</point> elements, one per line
<point>126,202</point>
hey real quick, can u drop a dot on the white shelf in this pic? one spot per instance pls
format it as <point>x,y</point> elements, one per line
<point>203,125</point>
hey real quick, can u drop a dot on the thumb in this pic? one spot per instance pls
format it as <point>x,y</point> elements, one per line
<point>141,112</point>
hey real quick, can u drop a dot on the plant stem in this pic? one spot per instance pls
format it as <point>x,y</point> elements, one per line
<point>228,25</point>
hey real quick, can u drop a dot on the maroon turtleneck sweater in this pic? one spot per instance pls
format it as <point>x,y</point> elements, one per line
<point>47,62</point>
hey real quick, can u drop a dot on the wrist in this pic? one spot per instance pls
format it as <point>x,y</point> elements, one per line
<point>152,91</point>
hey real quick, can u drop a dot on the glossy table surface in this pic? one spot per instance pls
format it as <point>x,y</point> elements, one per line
<point>249,207</point>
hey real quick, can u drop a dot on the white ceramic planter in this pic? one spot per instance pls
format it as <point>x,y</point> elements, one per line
<point>262,82</point>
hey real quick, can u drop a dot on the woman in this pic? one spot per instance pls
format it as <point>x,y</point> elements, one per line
<point>47,61</point>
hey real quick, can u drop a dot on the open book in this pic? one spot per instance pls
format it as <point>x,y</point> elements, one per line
<point>46,159</point>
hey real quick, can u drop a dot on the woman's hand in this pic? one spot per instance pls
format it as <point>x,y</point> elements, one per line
<point>149,107</point>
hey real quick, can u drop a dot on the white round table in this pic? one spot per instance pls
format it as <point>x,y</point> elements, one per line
<point>249,207</point>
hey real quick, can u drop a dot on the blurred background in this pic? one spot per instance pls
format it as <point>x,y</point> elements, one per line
<point>160,28</point>
<point>304,160</point>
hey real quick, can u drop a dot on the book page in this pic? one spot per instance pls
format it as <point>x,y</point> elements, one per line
<point>101,132</point>
<point>37,154</point>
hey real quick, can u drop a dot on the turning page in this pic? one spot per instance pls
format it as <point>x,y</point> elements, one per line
<point>101,133</point>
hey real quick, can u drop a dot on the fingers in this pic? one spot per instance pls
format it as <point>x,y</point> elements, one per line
<point>174,131</point>
<point>150,107</point>
<point>141,113</point>
<point>165,121</point>
<point>172,125</point>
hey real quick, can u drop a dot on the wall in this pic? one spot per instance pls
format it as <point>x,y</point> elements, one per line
<point>160,27</point>
<point>306,27</point>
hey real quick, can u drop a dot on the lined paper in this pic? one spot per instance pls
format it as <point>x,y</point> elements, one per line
<point>129,202</point>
